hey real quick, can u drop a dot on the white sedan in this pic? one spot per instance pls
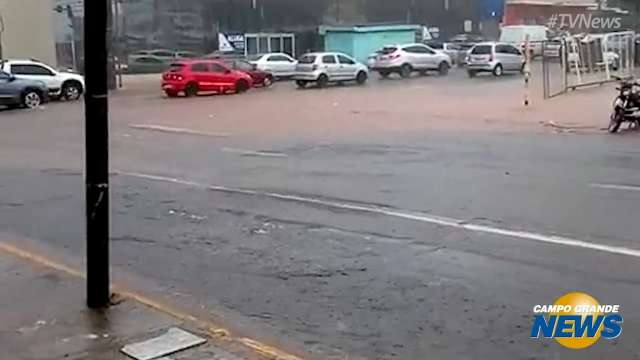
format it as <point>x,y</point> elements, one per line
<point>280,65</point>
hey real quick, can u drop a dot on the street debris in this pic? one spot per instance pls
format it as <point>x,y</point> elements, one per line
<point>245,152</point>
<point>169,129</point>
<point>187,215</point>
<point>555,125</point>
<point>172,341</point>
<point>321,273</point>
<point>264,229</point>
<point>35,327</point>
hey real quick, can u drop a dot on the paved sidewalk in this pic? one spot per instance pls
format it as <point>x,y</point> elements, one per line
<point>43,316</point>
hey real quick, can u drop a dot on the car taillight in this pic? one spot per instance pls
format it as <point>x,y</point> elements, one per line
<point>491,58</point>
<point>315,67</point>
<point>177,77</point>
<point>394,56</point>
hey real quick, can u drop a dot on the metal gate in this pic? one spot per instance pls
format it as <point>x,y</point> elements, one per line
<point>588,59</point>
<point>554,76</point>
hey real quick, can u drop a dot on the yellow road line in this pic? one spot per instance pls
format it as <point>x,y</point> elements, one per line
<point>214,330</point>
<point>40,260</point>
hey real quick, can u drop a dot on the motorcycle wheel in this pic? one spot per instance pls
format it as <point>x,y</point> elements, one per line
<point>614,123</point>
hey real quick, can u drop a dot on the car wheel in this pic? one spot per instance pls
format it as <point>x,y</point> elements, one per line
<point>268,81</point>
<point>384,74</point>
<point>191,90</point>
<point>71,90</point>
<point>443,68</point>
<point>31,99</point>
<point>301,84</point>
<point>614,123</point>
<point>171,94</point>
<point>498,70</point>
<point>322,81</point>
<point>241,86</point>
<point>361,78</point>
<point>405,70</point>
<point>472,73</point>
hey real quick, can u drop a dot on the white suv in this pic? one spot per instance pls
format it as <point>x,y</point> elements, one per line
<point>323,68</point>
<point>405,59</point>
<point>61,84</point>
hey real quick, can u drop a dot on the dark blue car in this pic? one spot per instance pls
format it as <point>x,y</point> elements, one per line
<point>21,92</point>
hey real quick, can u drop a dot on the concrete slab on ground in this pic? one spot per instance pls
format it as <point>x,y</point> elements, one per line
<point>44,317</point>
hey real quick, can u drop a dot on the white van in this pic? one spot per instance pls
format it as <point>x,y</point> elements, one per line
<point>517,34</point>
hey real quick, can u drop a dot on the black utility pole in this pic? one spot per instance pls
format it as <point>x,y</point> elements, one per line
<point>97,151</point>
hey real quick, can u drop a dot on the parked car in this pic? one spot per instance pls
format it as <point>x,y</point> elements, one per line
<point>455,51</point>
<point>327,67</point>
<point>494,57</point>
<point>258,77</point>
<point>465,42</point>
<point>146,65</point>
<point>407,58</point>
<point>155,61</point>
<point>468,38</point>
<point>60,84</point>
<point>22,92</point>
<point>194,76</point>
<point>224,56</point>
<point>281,65</point>
<point>372,58</point>
<point>186,55</point>
<point>166,56</point>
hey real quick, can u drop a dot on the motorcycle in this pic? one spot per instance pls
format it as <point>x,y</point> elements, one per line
<point>626,106</point>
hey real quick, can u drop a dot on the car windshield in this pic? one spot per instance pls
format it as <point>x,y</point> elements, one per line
<point>513,35</point>
<point>307,59</point>
<point>255,57</point>
<point>240,65</point>
<point>481,50</point>
<point>176,67</point>
<point>388,50</point>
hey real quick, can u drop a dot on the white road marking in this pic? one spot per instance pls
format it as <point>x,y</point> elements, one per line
<point>246,152</point>
<point>616,187</point>
<point>403,214</point>
<point>169,129</point>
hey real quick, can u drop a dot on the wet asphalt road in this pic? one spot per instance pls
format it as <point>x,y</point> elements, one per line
<point>307,261</point>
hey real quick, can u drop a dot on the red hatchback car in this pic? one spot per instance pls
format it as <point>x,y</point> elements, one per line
<point>193,76</point>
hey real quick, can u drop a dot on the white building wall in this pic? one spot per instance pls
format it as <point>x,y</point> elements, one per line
<point>27,30</point>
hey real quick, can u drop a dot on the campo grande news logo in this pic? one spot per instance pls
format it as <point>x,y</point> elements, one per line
<point>576,320</point>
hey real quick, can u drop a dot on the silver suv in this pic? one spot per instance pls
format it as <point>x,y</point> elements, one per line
<point>495,58</point>
<point>408,58</point>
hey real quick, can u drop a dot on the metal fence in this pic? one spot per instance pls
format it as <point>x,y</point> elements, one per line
<point>587,59</point>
